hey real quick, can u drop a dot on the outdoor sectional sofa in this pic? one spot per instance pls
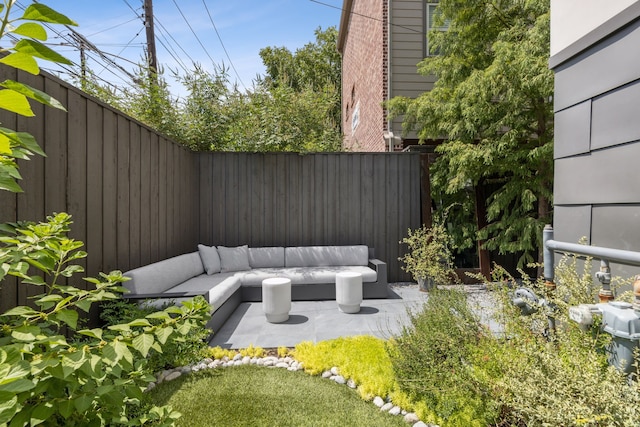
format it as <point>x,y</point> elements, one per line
<point>227,276</point>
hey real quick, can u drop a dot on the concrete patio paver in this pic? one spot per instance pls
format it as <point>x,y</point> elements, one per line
<point>322,320</point>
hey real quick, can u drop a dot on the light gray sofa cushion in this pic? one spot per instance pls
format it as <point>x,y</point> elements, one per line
<point>234,259</point>
<point>304,275</point>
<point>321,256</point>
<point>210,259</point>
<point>270,257</point>
<point>162,275</point>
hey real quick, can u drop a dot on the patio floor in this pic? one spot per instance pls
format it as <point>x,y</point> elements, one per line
<point>321,320</point>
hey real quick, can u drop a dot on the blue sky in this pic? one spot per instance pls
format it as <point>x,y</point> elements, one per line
<point>245,26</point>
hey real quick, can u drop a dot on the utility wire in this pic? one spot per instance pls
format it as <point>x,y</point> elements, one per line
<point>174,40</point>
<point>366,16</point>
<point>193,32</point>
<point>172,52</point>
<point>223,47</point>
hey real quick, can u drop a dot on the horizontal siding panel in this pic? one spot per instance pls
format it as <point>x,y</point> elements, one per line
<point>588,75</point>
<point>616,226</point>
<point>603,176</point>
<point>400,15</point>
<point>615,117</point>
<point>404,74</point>
<point>409,48</point>
<point>399,38</point>
<point>410,89</point>
<point>572,131</point>
<point>411,62</point>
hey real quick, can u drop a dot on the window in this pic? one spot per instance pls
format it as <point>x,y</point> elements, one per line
<point>431,13</point>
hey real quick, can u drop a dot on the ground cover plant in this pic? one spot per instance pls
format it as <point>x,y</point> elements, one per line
<point>258,396</point>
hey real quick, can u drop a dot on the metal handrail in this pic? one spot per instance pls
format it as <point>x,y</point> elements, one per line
<point>605,255</point>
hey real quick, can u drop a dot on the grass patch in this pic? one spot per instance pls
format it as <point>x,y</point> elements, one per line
<point>258,396</point>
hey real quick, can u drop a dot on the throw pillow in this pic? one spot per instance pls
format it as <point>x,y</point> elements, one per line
<point>234,259</point>
<point>210,259</point>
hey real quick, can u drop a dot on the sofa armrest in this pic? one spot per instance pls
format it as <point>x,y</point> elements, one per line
<point>381,269</point>
<point>165,295</point>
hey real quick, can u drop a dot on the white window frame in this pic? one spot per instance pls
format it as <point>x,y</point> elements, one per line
<point>429,11</point>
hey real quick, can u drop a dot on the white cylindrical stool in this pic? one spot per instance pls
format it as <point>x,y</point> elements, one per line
<point>349,291</point>
<point>276,299</point>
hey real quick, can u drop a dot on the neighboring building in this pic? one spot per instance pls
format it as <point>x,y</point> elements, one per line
<point>381,43</point>
<point>595,53</point>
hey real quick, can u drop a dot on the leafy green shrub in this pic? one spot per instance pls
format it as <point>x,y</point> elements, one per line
<point>542,377</point>
<point>432,357</point>
<point>180,351</point>
<point>54,372</point>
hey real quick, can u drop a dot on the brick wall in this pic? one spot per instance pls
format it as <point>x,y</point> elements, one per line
<point>364,73</point>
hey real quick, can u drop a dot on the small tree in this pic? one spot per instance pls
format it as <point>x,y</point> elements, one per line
<point>493,101</point>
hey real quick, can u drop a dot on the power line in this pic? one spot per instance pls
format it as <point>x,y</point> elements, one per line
<point>174,40</point>
<point>223,47</point>
<point>193,32</point>
<point>373,18</point>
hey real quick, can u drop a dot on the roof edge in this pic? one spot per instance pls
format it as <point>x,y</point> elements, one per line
<point>344,24</point>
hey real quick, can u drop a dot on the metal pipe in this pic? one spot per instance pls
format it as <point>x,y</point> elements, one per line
<point>612,255</point>
<point>548,254</point>
<point>604,276</point>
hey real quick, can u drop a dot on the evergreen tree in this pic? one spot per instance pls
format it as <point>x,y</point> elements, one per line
<point>492,102</point>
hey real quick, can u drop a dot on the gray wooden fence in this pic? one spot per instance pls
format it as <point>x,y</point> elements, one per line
<point>136,197</point>
<point>316,199</point>
<point>132,194</point>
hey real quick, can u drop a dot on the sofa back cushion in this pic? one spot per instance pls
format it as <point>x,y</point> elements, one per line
<point>162,275</point>
<point>210,259</point>
<point>234,259</point>
<point>322,256</point>
<point>271,257</point>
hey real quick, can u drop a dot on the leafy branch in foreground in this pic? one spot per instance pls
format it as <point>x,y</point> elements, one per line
<point>14,96</point>
<point>55,372</point>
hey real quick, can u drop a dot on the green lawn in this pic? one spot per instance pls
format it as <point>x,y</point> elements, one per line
<point>258,396</point>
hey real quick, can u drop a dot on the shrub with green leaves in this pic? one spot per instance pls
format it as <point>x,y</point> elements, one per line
<point>180,351</point>
<point>53,371</point>
<point>432,361</point>
<point>542,377</point>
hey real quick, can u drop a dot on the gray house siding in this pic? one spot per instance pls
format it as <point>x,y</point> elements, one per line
<point>407,41</point>
<point>597,138</point>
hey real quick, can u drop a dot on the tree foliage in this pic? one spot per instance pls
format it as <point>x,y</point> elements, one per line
<point>295,107</point>
<point>493,104</point>
<point>28,29</point>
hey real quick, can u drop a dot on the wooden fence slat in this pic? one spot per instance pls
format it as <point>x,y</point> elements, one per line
<point>134,196</point>
<point>123,191</point>
<point>94,162</point>
<point>77,168</point>
<point>110,191</point>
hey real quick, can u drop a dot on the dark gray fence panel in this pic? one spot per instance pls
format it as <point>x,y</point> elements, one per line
<point>136,197</point>
<point>115,176</point>
<point>285,199</point>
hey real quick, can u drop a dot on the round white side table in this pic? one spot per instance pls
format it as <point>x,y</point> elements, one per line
<point>349,291</point>
<point>276,299</point>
